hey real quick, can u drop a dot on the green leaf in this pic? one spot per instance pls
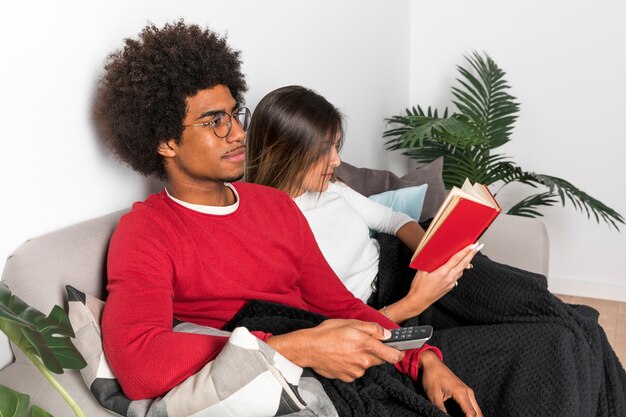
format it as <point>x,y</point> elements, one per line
<point>34,333</point>
<point>13,403</point>
<point>38,412</point>
<point>42,350</point>
<point>65,351</point>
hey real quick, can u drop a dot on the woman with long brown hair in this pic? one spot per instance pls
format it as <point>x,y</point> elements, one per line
<point>293,144</point>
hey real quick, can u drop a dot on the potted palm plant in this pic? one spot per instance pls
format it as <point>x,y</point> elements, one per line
<point>45,340</point>
<point>467,140</point>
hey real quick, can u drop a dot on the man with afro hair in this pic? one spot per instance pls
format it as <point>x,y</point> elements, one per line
<point>170,104</point>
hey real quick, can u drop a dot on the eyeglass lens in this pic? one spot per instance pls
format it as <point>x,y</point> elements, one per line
<point>223,128</point>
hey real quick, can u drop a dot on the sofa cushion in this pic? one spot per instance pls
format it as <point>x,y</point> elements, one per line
<point>38,270</point>
<point>408,200</point>
<point>375,181</point>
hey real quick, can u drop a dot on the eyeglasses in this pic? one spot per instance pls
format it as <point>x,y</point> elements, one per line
<point>221,122</point>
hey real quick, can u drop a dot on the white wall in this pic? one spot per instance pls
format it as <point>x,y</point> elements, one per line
<point>566,63</point>
<point>54,171</point>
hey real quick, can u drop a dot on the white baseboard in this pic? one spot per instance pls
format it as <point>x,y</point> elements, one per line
<point>600,290</point>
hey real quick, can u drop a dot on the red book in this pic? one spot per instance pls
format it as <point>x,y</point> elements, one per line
<point>462,218</point>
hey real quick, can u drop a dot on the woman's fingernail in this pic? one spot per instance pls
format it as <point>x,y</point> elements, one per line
<point>474,246</point>
<point>479,247</point>
<point>386,334</point>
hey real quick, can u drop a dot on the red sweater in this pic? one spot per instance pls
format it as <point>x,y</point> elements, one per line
<point>167,261</point>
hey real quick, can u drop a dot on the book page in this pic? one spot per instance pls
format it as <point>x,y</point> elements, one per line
<point>483,191</point>
<point>477,193</point>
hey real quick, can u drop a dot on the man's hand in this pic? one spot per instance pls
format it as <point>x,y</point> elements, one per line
<point>341,349</point>
<point>440,384</point>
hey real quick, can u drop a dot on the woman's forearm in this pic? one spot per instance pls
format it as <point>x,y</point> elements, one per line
<point>409,306</point>
<point>410,234</point>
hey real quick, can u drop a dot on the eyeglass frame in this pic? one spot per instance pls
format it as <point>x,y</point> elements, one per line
<point>246,113</point>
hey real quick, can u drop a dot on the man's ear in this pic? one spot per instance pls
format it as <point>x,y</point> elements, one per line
<point>167,149</point>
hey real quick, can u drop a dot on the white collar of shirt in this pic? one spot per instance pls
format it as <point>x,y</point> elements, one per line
<point>219,210</point>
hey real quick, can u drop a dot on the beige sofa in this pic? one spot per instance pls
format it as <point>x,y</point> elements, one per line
<point>39,270</point>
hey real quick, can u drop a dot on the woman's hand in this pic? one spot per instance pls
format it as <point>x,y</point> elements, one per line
<point>440,385</point>
<point>337,348</point>
<point>428,287</point>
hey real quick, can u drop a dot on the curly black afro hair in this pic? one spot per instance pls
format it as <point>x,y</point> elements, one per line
<point>141,97</point>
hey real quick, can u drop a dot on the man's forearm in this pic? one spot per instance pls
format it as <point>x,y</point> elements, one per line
<point>337,348</point>
<point>291,346</point>
<point>428,358</point>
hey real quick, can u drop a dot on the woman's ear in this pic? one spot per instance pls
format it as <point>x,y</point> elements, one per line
<point>167,149</point>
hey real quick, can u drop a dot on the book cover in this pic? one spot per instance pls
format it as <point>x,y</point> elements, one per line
<point>462,218</point>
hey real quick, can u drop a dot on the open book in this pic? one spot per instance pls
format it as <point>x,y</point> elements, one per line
<point>464,215</point>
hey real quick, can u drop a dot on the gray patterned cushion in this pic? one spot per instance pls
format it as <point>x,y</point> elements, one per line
<point>268,384</point>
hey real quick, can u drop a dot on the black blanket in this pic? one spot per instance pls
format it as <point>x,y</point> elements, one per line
<point>381,392</point>
<point>522,350</point>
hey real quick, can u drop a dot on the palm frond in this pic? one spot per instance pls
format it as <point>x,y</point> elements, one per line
<point>475,163</point>
<point>508,172</point>
<point>581,200</point>
<point>526,207</point>
<point>428,153</point>
<point>484,100</point>
<point>566,191</point>
<point>417,130</point>
<point>487,113</point>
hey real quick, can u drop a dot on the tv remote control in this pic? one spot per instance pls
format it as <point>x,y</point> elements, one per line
<point>404,338</point>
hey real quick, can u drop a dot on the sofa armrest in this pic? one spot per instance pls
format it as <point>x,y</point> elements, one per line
<point>521,242</point>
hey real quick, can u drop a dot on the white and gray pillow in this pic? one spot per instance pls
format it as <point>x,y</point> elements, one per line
<point>247,378</point>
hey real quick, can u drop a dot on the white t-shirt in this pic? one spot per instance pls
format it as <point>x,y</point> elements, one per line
<point>341,219</point>
<point>219,210</point>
